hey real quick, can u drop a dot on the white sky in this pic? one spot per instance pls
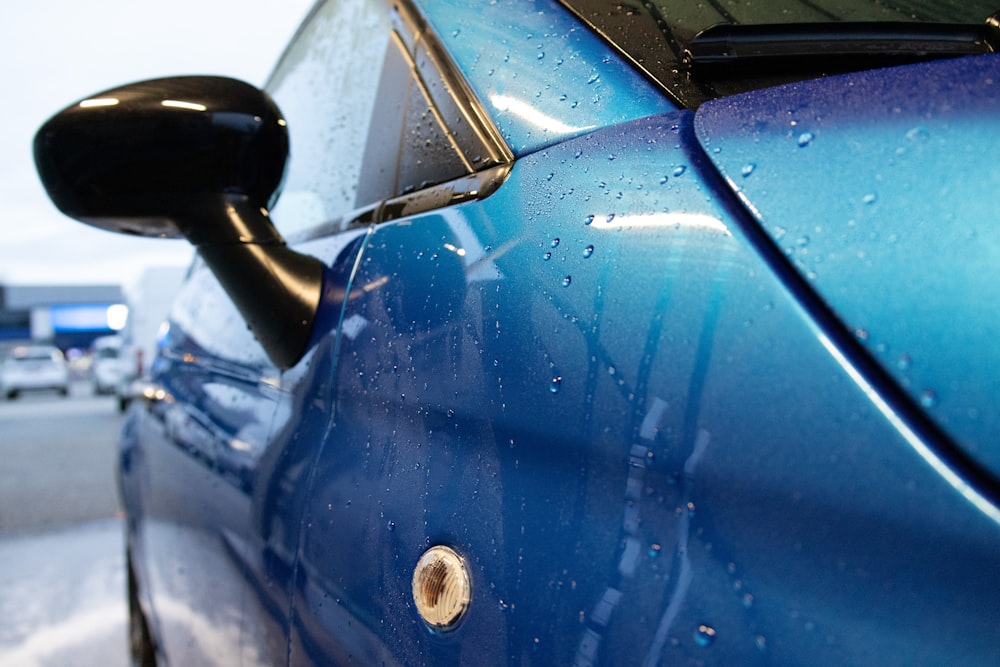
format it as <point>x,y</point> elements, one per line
<point>55,52</point>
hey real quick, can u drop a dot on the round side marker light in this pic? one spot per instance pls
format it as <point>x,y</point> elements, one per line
<point>442,589</point>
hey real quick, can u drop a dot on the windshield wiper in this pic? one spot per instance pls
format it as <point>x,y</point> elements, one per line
<point>835,42</point>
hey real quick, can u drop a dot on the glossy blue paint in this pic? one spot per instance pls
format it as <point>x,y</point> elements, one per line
<point>586,402</point>
<point>542,77</point>
<point>601,385</point>
<point>194,454</point>
<point>873,186</point>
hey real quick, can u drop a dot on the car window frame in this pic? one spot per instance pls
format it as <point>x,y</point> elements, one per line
<point>459,113</point>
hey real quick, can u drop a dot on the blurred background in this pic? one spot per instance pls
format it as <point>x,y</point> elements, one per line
<point>80,308</point>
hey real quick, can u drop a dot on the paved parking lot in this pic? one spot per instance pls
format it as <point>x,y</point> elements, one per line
<point>62,597</point>
<point>62,583</point>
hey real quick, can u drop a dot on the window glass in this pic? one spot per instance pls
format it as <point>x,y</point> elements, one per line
<point>656,34</point>
<point>378,169</point>
<point>426,155</point>
<point>409,148</point>
<point>363,117</point>
<point>323,86</point>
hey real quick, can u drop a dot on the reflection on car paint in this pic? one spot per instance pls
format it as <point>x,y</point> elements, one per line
<point>612,377</point>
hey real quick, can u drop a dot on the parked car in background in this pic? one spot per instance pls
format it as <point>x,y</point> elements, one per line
<point>567,333</point>
<point>108,367</point>
<point>34,368</point>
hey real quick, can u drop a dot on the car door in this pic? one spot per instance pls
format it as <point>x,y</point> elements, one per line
<point>191,448</point>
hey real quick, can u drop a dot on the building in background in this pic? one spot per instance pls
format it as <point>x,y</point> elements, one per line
<point>69,316</point>
<point>98,327</point>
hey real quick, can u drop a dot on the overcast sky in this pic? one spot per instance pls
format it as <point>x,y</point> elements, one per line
<point>56,52</point>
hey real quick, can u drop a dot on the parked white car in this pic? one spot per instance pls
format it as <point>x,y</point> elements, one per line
<point>109,367</point>
<point>34,368</point>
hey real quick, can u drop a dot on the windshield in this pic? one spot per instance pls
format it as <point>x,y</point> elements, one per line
<point>685,19</point>
<point>655,35</point>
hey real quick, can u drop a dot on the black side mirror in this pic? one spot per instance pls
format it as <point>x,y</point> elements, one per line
<point>198,157</point>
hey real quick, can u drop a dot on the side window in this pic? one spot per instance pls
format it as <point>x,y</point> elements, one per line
<point>370,114</point>
<point>323,85</point>
<point>410,141</point>
<point>427,155</point>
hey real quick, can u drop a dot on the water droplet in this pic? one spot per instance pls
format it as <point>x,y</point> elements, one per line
<point>549,177</point>
<point>547,256</point>
<point>347,504</point>
<point>679,170</point>
<point>805,139</point>
<point>594,79</point>
<point>904,362</point>
<point>555,384</point>
<point>663,181</point>
<point>541,54</point>
<point>566,281</point>
<point>861,333</point>
<point>611,158</point>
<point>654,550</point>
<point>760,642</point>
<point>612,370</point>
<point>704,635</point>
<point>391,526</point>
<point>747,600</point>
<point>748,169</point>
<point>611,216</point>
<point>589,219</point>
<point>803,241</point>
<point>928,398</point>
<point>918,133</point>
<point>588,251</point>
<point>555,242</point>
<point>870,198</point>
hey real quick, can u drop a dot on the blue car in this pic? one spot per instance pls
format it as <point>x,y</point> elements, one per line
<point>581,333</point>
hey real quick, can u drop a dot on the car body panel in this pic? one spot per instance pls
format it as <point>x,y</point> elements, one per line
<point>553,80</point>
<point>215,478</point>
<point>621,457</point>
<point>190,453</point>
<point>872,184</point>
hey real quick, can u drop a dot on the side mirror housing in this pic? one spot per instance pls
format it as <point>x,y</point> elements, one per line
<point>198,157</point>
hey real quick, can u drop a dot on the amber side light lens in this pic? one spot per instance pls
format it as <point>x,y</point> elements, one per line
<point>442,589</point>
